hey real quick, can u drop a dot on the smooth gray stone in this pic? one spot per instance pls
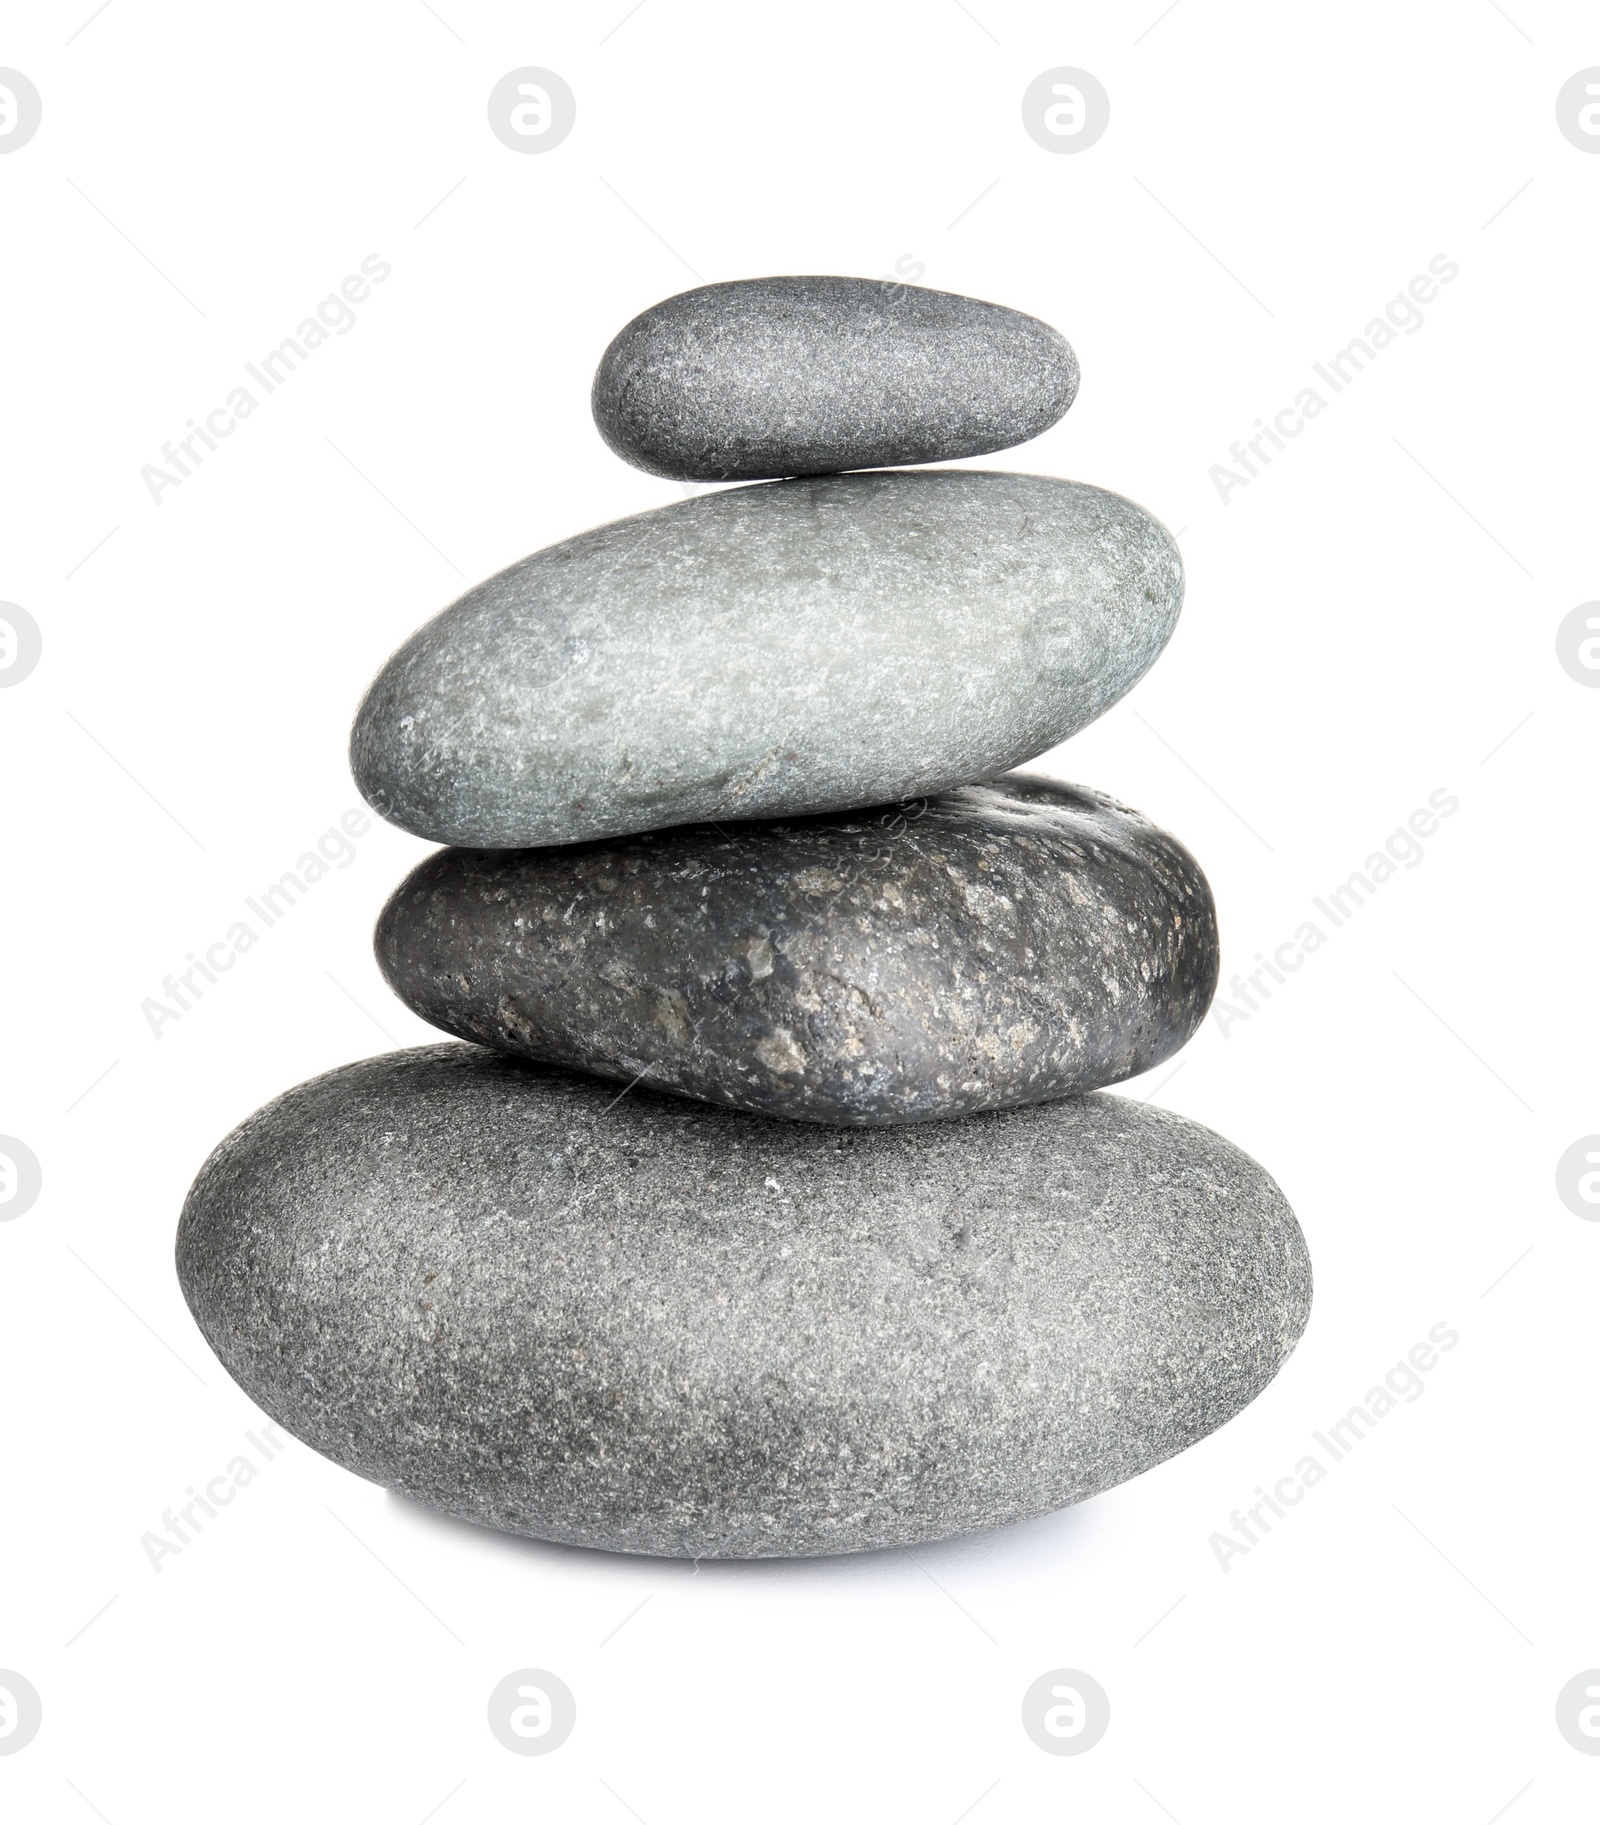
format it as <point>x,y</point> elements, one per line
<point>807,375</point>
<point>767,652</point>
<point>998,944</point>
<point>655,1326</point>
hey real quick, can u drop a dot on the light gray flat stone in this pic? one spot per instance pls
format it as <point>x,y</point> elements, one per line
<point>794,647</point>
<point>660,1327</point>
<point>808,375</point>
<point>997,944</point>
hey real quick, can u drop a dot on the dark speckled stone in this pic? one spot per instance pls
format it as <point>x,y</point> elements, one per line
<point>995,945</point>
<point>660,1327</point>
<point>809,374</point>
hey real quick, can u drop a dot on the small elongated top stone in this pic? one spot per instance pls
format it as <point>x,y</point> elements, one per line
<point>998,944</point>
<point>808,375</point>
<point>770,651</point>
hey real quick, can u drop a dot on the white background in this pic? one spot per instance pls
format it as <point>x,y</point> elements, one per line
<point>1369,620</point>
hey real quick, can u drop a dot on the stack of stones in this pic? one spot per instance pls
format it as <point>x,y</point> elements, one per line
<point>766,1208</point>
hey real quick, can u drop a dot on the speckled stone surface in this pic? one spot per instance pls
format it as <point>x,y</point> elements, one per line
<point>812,374</point>
<point>770,651</point>
<point>661,1327</point>
<point>995,945</point>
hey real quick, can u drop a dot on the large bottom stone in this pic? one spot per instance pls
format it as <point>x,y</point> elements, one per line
<point>661,1327</point>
